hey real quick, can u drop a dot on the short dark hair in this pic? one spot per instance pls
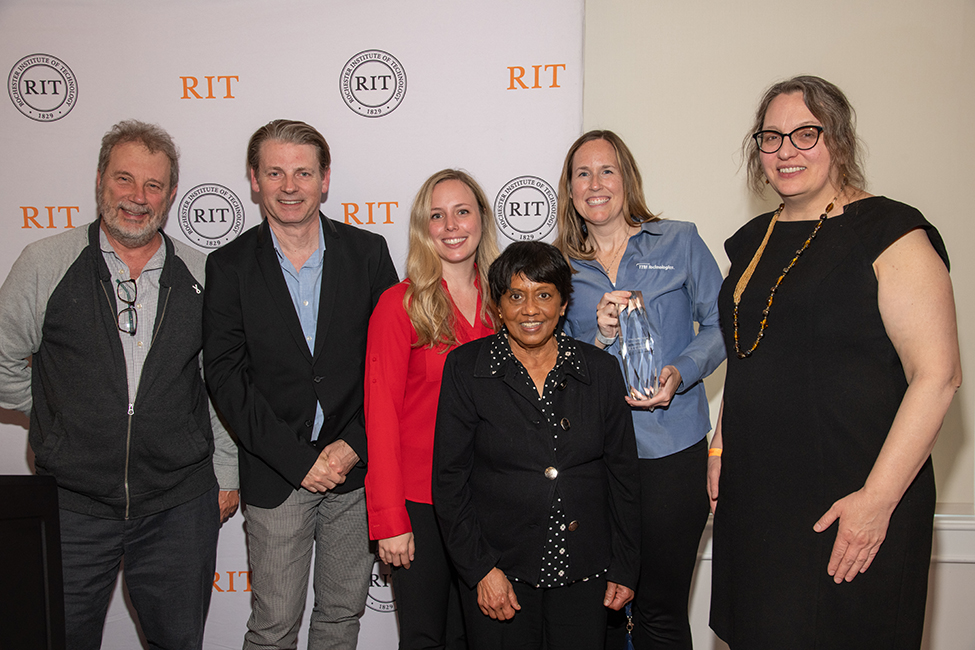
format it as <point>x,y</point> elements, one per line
<point>151,136</point>
<point>290,131</point>
<point>537,261</point>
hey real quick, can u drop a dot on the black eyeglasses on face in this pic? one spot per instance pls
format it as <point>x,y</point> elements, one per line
<point>128,318</point>
<point>803,138</point>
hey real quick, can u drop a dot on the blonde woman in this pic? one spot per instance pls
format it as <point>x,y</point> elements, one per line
<point>444,302</point>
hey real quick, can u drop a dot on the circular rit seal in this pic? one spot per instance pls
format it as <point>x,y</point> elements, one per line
<point>211,215</point>
<point>525,208</point>
<point>380,597</point>
<point>373,83</point>
<point>42,87</point>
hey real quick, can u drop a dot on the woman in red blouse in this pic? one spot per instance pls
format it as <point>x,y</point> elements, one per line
<point>443,303</point>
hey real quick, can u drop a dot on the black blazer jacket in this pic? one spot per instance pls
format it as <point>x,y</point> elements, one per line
<point>262,377</point>
<point>492,447</point>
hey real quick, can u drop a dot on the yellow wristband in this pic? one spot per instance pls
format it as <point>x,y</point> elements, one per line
<point>714,451</point>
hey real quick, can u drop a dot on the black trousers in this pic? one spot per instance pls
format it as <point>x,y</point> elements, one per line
<point>427,598</point>
<point>560,618</point>
<point>673,493</point>
<point>169,565</point>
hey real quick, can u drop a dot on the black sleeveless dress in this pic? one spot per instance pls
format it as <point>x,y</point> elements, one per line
<point>804,420</point>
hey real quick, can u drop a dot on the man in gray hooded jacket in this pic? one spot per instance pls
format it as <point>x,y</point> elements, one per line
<point>110,316</point>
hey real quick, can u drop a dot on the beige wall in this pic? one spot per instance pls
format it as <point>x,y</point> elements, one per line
<point>679,81</point>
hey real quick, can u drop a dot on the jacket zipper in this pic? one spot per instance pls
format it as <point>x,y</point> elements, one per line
<point>128,444</point>
<point>128,426</point>
<point>131,411</point>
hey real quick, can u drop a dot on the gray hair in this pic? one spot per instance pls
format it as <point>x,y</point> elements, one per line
<point>151,136</point>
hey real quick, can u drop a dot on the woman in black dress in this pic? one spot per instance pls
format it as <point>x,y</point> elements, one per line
<point>839,322</point>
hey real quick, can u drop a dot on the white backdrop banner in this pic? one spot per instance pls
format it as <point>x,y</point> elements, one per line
<point>399,89</point>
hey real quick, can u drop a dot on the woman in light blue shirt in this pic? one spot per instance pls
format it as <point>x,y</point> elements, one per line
<point>616,245</point>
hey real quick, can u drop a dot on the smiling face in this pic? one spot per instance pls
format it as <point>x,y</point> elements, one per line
<point>596,183</point>
<point>455,222</point>
<point>290,182</point>
<point>134,194</point>
<point>794,174</point>
<point>530,310</point>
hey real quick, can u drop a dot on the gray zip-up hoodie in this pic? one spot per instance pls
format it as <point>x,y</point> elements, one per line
<point>111,458</point>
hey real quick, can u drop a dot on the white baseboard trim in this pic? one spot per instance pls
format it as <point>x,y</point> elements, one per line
<point>954,540</point>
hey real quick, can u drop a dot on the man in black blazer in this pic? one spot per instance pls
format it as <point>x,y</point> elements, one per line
<point>285,318</point>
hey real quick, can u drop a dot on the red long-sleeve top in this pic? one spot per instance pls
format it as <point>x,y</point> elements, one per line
<point>401,392</point>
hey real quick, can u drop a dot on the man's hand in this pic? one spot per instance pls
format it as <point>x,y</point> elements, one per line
<point>329,470</point>
<point>341,458</point>
<point>321,477</point>
<point>228,500</point>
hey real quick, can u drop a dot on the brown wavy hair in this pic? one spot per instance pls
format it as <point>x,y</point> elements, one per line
<point>572,239</point>
<point>830,106</point>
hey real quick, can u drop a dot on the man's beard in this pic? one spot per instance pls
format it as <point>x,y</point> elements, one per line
<point>130,238</point>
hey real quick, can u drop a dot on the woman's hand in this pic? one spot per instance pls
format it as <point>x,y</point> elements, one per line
<point>863,521</point>
<point>714,462</point>
<point>617,596</point>
<point>608,314</point>
<point>714,478</point>
<point>398,550</point>
<point>496,596</point>
<point>669,381</point>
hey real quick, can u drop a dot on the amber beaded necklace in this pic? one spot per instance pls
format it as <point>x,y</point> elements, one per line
<point>750,269</point>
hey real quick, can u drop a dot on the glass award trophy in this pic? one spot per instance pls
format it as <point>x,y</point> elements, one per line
<point>638,349</point>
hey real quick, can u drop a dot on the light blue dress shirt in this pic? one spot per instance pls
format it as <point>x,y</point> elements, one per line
<point>305,287</point>
<point>670,263</point>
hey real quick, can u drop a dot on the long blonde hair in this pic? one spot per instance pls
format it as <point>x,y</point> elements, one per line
<point>426,301</point>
